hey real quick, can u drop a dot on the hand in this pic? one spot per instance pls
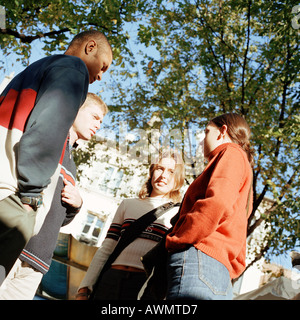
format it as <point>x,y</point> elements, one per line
<point>70,195</point>
<point>83,294</point>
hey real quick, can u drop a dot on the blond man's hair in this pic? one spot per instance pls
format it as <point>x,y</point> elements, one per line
<point>93,98</point>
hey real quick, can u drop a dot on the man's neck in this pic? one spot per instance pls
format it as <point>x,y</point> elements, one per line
<point>73,137</point>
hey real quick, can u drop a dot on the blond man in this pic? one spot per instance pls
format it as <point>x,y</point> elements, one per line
<point>35,259</point>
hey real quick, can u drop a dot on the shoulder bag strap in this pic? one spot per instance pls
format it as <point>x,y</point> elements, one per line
<point>133,231</point>
<point>136,228</point>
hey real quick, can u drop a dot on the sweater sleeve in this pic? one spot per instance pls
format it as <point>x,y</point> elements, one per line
<point>220,198</point>
<point>69,171</point>
<point>103,253</point>
<point>61,93</point>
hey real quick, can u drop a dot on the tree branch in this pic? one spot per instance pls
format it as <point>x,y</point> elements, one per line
<point>29,39</point>
<point>245,57</point>
<point>255,206</point>
<point>257,257</point>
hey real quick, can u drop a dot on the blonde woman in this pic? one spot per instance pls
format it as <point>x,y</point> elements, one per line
<point>126,276</point>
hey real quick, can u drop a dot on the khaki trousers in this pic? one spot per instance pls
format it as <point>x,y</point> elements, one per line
<point>16,228</point>
<point>21,283</point>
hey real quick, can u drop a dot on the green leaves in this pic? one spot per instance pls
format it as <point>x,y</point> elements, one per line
<point>222,56</point>
<point>54,22</point>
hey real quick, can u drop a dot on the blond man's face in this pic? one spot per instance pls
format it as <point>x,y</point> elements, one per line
<point>88,121</point>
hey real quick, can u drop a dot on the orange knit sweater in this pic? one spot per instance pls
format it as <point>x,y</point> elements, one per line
<point>213,216</point>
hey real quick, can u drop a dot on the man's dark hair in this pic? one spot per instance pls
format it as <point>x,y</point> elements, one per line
<point>88,35</point>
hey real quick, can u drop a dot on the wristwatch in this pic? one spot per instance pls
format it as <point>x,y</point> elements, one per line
<point>34,202</point>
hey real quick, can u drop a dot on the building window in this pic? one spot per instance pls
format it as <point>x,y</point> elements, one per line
<point>111,180</point>
<point>92,229</point>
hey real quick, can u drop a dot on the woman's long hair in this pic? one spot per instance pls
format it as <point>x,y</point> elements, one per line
<point>179,175</point>
<point>238,130</point>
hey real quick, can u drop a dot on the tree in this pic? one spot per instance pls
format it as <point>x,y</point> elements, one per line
<point>213,56</point>
<point>53,22</point>
<point>221,56</point>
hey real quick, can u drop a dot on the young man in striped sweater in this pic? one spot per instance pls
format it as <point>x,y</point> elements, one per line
<point>35,259</point>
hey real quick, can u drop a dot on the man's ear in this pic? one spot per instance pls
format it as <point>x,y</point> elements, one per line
<point>90,47</point>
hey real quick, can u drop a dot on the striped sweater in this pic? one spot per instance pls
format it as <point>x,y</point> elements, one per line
<point>37,109</point>
<point>129,211</point>
<point>39,250</point>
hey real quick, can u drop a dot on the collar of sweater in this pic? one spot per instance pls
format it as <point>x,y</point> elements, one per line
<point>222,147</point>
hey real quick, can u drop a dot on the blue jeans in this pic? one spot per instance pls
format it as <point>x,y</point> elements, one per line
<point>193,275</point>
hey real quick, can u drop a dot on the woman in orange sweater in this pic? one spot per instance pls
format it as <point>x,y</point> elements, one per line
<point>207,247</point>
